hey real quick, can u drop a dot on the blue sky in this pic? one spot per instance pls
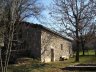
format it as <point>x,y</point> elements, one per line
<point>46,3</point>
<point>46,21</point>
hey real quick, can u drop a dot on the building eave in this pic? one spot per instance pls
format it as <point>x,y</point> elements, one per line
<point>47,29</point>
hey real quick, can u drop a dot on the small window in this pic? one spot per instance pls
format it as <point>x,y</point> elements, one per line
<point>61,46</point>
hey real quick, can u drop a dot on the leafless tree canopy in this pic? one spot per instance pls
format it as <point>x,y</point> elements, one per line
<point>20,8</point>
<point>11,13</point>
<point>68,12</point>
<point>74,16</point>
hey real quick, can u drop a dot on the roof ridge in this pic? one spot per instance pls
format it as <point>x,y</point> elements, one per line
<point>48,29</point>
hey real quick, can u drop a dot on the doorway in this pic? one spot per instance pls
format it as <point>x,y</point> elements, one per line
<point>52,55</point>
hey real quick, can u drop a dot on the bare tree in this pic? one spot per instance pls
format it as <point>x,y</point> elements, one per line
<point>87,34</point>
<point>11,13</point>
<point>73,15</point>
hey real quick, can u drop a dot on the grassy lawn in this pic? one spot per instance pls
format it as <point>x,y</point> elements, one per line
<point>51,67</point>
<point>90,52</point>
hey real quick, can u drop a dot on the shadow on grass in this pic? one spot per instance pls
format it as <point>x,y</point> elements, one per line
<point>87,60</point>
<point>39,65</point>
<point>48,67</point>
<point>27,68</point>
<point>78,69</point>
<point>81,67</point>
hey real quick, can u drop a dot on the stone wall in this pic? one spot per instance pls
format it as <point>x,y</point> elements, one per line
<point>33,40</point>
<point>41,43</point>
<point>29,38</point>
<point>61,46</point>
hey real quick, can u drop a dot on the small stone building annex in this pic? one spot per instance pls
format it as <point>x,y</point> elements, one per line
<point>39,42</point>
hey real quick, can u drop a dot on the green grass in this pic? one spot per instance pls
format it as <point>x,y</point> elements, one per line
<point>50,67</point>
<point>89,52</point>
<point>53,66</point>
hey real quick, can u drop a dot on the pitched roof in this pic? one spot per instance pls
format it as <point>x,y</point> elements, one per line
<point>47,29</point>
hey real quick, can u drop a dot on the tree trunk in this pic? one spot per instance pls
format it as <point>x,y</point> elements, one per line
<point>77,40</point>
<point>83,48</point>
<point>95,52</point>
<point>83,52</point>
<point>82,44</point>
<point>77,52</point>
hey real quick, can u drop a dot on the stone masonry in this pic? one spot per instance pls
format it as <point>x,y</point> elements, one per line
<point>41,43</point>
<point>62,47</point>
